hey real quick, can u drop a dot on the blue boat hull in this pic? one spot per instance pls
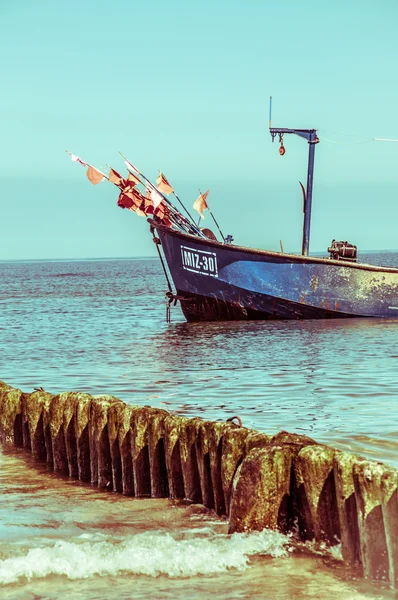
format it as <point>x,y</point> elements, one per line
<point>217,281</point>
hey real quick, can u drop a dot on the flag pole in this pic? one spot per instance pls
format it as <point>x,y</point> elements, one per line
<point>218,227</point>
<point>186,210</point>
<point>189,215</point>
<point>213,217</point>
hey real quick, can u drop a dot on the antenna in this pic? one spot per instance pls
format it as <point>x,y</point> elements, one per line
<point>270,111</point>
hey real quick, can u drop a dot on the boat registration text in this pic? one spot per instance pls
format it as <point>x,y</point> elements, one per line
<point>199,261</point>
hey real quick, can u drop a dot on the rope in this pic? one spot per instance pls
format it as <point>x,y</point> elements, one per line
<point>169,295</point>
<point>385,140</point>
<point>365,141</point>
<point>156,241</point>
<point>345,134</point>
<point>346,143</point>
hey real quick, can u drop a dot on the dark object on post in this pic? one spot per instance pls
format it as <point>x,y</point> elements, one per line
<point>208,233</point>
<point>343,251</point>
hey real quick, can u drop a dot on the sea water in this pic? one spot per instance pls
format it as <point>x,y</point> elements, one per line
<point>99,327</point>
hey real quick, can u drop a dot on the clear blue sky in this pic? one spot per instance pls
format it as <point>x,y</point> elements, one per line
<point>183,87</point>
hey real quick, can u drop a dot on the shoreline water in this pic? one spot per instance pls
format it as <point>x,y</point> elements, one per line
<point>65,539</point>
<point>286,483</point>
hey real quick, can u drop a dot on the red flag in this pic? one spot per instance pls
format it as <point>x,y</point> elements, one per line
<point>115,178</point>
<point>200,203</point>
<point>124,201</point>
<point>127,185</point>
<point>134,194</point>
<point>94,175</point>
<point>132,201</point>
<point>144,204</point>
<point>147,205</point>
<point>162,212</point>
<point>163,184</point>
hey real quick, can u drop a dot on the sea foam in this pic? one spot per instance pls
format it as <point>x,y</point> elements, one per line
<point>149,553</point>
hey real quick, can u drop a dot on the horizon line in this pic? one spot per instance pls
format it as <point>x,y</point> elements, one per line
<point>147,257</point>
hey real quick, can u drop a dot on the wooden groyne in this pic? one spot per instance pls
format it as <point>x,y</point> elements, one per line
<point>286,482</point>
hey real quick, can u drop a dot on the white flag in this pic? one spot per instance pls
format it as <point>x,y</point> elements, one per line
<point>77,159</point>
<point>156,198</point>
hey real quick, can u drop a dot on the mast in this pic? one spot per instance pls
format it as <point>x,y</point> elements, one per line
<point>311,136</point>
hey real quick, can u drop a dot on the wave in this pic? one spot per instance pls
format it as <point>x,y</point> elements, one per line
<point>149,553</point>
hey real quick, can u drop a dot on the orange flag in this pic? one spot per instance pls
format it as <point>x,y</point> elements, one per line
<point>163,184</point>
<point>94,175</point>
<point>114,177</point>
<point>200,203</point>
<point>133,179</point>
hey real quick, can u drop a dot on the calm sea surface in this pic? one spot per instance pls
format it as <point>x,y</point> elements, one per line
<point>99,327</point>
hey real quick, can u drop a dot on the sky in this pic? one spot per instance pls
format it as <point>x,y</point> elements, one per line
<point>184,87</point>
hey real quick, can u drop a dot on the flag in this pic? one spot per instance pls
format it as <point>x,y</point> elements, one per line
<point>134,194</point>
<point>134,200</point>
<point>115,178</point>
<point>142,205</point>
<point>124,201</point>
<point>131,200</point>
<point>128,185</point>
<point>94,175</point>
<point>200,203</point>
<point>155,196</point>
<point>147,206</point>
<point>133,179</point>
<point>77,159</point>
<point>162,212</point>
<point>163,184</point>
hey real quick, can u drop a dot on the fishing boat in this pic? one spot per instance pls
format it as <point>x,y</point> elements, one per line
<point>219,281</point>
<point>216,280</point>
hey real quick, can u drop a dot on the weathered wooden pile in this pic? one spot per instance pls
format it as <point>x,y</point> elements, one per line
<point>285,482</point>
